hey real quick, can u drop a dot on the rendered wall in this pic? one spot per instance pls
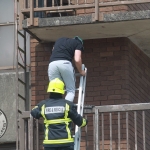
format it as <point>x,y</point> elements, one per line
<point>8,103</point>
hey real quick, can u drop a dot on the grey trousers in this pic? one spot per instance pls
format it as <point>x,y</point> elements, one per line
<point>63,70</point>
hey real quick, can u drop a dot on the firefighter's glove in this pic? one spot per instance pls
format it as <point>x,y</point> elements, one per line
<point>84,122</point>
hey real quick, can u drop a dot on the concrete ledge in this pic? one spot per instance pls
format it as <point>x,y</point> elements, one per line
<point>126,16</point>
<point>86,19</point>
<point>60,21</point>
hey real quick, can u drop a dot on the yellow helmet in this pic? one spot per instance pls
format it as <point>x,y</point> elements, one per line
<point>56,86</point>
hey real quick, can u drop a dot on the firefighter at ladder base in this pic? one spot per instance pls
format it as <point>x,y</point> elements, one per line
<point>58,114</point>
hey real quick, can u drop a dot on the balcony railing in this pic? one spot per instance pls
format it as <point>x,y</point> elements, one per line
<point>122,127</point>
<point>31,9</point>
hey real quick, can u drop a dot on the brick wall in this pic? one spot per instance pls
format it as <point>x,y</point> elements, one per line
<point>102,9</point>
<point>116,69</point>
<point>139,77</point>
<point>40,54</point>
<point>139,85</point>
<point>113,8</point>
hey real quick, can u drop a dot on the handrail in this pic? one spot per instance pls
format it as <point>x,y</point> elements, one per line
<point>134,111</point>
<point>115,3</point>
<point>29,132</point>
<point>58,8</point>
<point>119,108</point>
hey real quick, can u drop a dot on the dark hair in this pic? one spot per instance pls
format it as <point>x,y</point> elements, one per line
<point>79,39</point>
<point>55,95</point>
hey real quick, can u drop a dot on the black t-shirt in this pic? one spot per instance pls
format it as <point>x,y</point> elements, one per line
<point>64,49</point>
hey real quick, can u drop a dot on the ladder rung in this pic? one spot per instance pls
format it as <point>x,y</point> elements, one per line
<point>77,74</point>
<point>77,89</point>
<point>21,65</point>
<point>21,81</point>
<point>21,34</point>
<point>88,106</point>
<point>21,97</point>
<point>21,50</point>
<point>85,106</point>
<point>76,105</point>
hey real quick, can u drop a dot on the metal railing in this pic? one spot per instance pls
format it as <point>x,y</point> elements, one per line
<point>29,132</point>
<point>29,7</point>
<point>115,127</point>
<point>122,127</point>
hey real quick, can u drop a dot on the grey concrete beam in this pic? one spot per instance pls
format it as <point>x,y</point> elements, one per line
<point>86,19</point>
<point>126,16</point>
<point>60,21</point>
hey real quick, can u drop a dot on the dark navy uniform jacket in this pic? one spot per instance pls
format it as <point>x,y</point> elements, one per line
<point>58,114</point>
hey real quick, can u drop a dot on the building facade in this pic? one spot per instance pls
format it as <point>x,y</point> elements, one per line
<point>117,55</point>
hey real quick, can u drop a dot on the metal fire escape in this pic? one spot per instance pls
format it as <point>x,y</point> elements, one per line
<point>21,66</point>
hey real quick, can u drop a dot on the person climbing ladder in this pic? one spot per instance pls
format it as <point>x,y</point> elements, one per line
<point>60,66</point>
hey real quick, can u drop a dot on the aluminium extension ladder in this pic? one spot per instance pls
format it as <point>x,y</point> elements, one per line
<point>80,107</point>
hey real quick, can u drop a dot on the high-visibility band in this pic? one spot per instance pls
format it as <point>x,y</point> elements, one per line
<point>83,123</point>
<point>58,141</point>
<point>46,132</point>
<point>42,112</point>
<point>34,107</point>
<point>46,126</point>
<point>67,127</point>
<point>57,121</point>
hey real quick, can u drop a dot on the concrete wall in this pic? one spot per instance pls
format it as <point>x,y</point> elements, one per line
<point>8,103</point>
<point>116,69</point>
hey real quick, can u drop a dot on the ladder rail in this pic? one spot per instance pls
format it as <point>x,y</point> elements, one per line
<point>81,111</point>
<point>80,107</point>
<point>83,95</point>
<point>81,91</point>
<point>20,53</point>
<point>17,86</point>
